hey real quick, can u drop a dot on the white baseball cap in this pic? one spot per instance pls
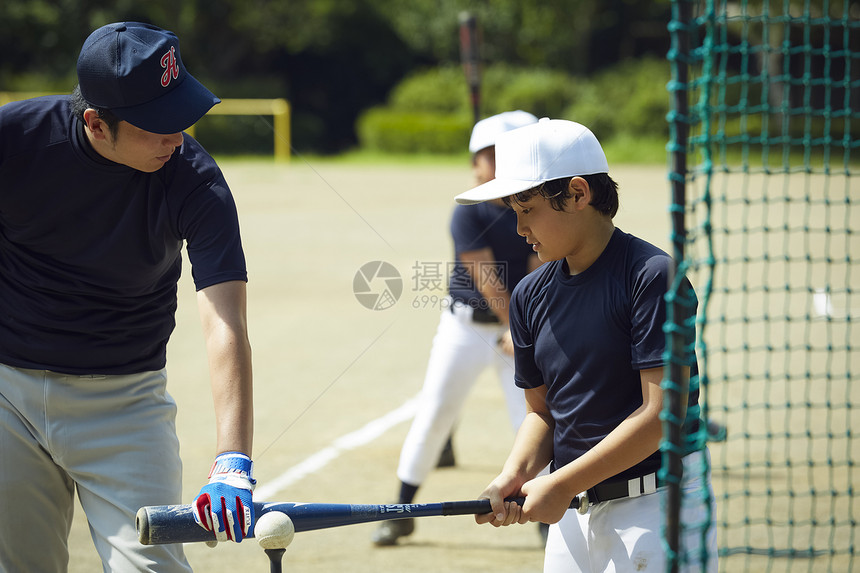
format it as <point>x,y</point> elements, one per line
<point>486,131</point>
<point>537,153</point>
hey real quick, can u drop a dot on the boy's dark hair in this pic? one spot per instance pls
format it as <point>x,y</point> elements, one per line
<point>80,105</point>
<point>604,193</point>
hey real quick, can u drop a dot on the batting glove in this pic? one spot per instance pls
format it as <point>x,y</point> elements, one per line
<point>224,505</point>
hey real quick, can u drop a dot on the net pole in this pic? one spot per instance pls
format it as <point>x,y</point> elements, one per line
<point>672,391</point>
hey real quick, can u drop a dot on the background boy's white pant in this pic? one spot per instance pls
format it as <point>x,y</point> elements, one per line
<point>462,349</point>
<point>625,534</point>
<point>111,437</point>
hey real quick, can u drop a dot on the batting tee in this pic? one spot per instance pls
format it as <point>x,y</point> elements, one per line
<point>765,225</point>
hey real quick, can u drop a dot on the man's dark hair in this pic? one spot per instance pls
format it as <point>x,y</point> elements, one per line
<point>80,105</point>
<point>604,193</point>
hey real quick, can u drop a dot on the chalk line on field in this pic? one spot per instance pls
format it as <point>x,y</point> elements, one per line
<point>351,441</point>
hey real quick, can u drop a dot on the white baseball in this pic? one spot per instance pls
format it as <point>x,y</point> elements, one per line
<point>274,530</point>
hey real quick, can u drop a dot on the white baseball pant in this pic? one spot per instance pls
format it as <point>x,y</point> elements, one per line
<point>626,534</point>
<point>461,350</point>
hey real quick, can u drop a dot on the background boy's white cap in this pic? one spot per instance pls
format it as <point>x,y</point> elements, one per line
<point>486,131</point>
<point>534,154</point>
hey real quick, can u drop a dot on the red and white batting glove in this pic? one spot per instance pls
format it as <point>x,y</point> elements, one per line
<point>224,505</point>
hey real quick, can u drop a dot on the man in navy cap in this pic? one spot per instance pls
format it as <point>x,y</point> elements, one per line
<point>98,194</point>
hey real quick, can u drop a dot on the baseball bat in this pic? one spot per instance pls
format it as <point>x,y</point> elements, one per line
<point>160,524</point>
<point>470,60</point>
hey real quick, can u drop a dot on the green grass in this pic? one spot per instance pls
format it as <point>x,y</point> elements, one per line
<point>364,157</point>
<point>626,150</point>
<point>622,150</point>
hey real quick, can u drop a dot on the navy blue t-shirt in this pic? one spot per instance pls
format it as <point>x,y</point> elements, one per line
<point>90,250</point>
<point>475,227</point>
<point>587,336</point>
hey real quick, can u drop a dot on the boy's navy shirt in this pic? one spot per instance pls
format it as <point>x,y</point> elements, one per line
<point>90,250</point>
<point>587,336</point>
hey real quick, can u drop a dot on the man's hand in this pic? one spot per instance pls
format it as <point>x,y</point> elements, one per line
<point>224,504</point>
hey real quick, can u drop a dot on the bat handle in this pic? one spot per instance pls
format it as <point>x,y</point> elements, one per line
<point>520,501</point>
<point>477,506</point>
<point>574,503</point>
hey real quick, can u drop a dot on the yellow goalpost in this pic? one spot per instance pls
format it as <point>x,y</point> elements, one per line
<point>278,108</point>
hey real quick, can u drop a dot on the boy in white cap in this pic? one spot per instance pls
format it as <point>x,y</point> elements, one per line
<point>587,328</point>
<point>99,194</point>
<point>473,328</point>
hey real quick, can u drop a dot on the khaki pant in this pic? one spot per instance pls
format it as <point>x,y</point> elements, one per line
<point>113,438</point>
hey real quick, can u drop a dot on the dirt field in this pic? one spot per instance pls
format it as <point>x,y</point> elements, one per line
<point>326,366</point>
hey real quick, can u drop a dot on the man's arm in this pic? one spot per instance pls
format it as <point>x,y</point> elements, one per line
<point>224,506</point>
<point>223,313</point>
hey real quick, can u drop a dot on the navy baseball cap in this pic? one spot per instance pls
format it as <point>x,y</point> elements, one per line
<point>135,71</point>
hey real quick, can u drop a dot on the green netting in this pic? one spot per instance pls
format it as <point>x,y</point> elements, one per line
<point>765,137</point>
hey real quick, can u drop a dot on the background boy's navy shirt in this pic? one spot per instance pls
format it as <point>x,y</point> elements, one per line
<point>90,250</point>
<point>475,227</point>
<point>587,336</point>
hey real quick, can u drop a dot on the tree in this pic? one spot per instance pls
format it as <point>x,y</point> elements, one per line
<point>330,58</point>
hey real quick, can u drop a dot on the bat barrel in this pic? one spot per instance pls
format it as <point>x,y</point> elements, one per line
<point>160,524</point>
<point>141,525</point>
